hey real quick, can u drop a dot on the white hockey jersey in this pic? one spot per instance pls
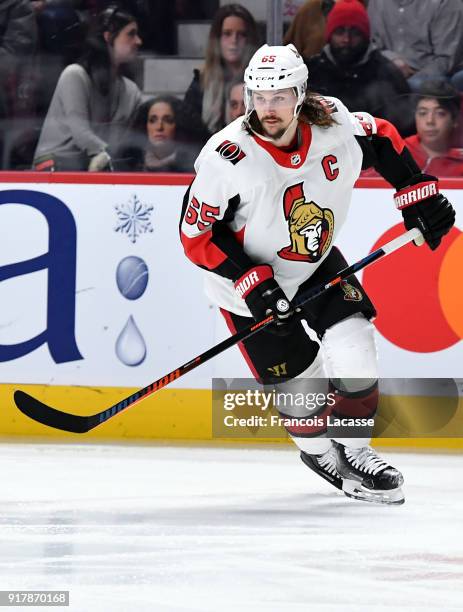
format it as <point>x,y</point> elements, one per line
<point>253,203</point>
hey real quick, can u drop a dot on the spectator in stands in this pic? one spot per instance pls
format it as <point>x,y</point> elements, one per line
<point>18,37</point>
<point>62,34</point>
<point>351,69</point>
<point>307,30</point>
<point>422,37</point>
<point>155,143</point>
<point>233,38</point>
<point>436,115</point>
<point>156,20</point>
<point>235,100</point>
<point>93,104</point>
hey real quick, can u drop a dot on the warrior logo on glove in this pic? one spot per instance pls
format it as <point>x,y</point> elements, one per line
<point>310,227</point>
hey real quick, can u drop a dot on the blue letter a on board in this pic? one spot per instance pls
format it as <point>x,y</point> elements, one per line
<point>60,263</point>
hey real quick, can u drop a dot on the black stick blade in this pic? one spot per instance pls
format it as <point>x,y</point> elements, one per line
<point>46,415</point>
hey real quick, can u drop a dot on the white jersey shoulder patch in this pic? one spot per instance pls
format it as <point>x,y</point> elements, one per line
<point>328,103</point>
<point>359,122</point>
<point>227,145</point>
<point>364,124</point>
<point>230,151</point>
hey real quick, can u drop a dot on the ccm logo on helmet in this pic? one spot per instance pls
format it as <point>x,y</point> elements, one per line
<point>230,151</point>
<point>411,195</point>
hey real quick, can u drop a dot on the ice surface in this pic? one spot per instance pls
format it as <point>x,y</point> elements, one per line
<point>153,528</point>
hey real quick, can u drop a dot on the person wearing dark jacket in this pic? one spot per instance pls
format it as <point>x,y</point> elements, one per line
<point>307,30</point>
<point>351,69</point>
<point>18,37</point>
<point>155,143</point>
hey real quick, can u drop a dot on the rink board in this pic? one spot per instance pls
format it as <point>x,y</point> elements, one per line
<point>187,414</point>
<point>106,340</point>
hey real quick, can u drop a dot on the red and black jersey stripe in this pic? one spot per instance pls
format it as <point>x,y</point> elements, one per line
<point>218,249</point>
<point>387,153</point>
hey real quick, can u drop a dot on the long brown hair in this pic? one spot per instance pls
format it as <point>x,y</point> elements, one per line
<point>316,110</point>
<point>214,71</point>
<point>96,59</point>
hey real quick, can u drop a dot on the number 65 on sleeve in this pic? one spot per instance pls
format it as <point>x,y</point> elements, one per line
<point>201,214</point>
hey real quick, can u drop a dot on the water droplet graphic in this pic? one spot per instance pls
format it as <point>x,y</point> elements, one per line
<point>132,277</point>
<point>130,346</point>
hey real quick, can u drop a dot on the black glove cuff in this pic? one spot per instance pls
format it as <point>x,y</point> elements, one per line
<point>415,179</point>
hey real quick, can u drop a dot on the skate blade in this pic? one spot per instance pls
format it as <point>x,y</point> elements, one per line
<point>353,489</point>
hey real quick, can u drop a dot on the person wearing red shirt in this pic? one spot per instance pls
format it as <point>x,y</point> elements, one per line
<point>436,116</point>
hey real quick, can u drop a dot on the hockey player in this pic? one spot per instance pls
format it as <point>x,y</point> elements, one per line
<point>271,192</point>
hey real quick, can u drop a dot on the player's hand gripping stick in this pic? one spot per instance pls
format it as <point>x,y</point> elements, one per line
<point>422,206</point>
<point>264,297</point>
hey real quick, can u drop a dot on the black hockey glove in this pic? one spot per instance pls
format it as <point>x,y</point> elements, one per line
<point>264,296</point>
<point>422,206</point>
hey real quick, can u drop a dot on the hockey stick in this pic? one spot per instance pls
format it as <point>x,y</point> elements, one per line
<point>52,417</point>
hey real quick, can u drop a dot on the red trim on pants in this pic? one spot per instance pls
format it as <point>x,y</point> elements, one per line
<point>355,406</point>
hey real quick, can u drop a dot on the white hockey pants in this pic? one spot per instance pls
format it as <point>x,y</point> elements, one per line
<point>348,358</point>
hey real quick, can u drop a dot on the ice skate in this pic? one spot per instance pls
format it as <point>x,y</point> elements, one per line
<point>324,465</point>
<point>368,477</point>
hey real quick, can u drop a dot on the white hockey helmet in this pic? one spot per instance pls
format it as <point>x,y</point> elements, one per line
<point>275,68</point>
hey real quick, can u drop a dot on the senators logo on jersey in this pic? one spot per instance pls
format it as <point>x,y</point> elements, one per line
<point>310,227</point>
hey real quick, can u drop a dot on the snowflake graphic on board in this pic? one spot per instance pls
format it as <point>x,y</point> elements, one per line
<point>134,218</point>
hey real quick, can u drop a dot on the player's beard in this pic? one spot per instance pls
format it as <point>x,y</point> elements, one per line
<point>275,135</point>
